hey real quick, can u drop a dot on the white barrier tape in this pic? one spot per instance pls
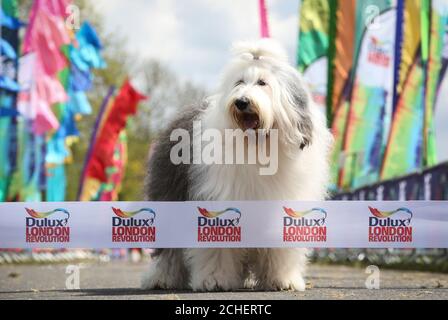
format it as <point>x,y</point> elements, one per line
<point>260,224</point>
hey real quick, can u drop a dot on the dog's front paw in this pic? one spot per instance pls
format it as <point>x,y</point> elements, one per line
<point>151,281</point>
<point>296,283</point>
<point>158,279</point>
<point>217,281</point>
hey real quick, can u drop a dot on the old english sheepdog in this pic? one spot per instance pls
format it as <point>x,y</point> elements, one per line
<point>259,91</point>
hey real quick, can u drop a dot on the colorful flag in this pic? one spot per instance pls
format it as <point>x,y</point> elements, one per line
<point>28,180</point>
<point>315,19</point>
<point>339,87</point>
<point>10,8</point>
<point>112,122</point>
<point>45,37</point>
<point>403,153</point>
<point>341,56</point>
<point>49,8</point>
<point>89,187</point>
<point>386,60</point>
<point>109,190</point>
<point>435,72</point>
<point>408,140</point>
<point>83,55</point>
<point>54,74</point>
<point>7,20</point>
<point>9,47</point>
<point>371,97</point>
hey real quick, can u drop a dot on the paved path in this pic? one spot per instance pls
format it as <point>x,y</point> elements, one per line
<point>120,280</point>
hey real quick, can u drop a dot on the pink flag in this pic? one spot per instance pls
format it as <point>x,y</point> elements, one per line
<point>264,26</point>
<point>38,95</point>
<point>55,8</point>
<point>50,90</point>
<point>46,92</point>
<point>45,119</point>
<point>45,36</point>
<point>26,79</point>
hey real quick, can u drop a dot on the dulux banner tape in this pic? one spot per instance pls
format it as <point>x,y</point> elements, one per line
<point>240,224</point>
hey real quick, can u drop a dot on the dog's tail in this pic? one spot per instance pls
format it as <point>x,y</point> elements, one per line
<point>260,49</point>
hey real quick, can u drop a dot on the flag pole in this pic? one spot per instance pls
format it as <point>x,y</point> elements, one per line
<point>264,25</point>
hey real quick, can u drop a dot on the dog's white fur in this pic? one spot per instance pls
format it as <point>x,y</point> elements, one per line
<point>302,174</point>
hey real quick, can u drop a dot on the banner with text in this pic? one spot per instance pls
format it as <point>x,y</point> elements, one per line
<point>246,224</point>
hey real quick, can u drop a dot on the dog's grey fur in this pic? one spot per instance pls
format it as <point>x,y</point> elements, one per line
<point>301,101</point>
<point>305,124</point>
<point>166,181</point>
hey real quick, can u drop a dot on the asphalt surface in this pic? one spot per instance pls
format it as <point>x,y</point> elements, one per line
<point>120,280</point>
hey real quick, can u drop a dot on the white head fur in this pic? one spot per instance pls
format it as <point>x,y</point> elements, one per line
<point>277,98</point>
<point>260,75</point>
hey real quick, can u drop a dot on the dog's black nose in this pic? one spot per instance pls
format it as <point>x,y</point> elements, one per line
<point>242,104</point>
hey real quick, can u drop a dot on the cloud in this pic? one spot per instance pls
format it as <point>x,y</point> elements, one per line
<point>194,37</point>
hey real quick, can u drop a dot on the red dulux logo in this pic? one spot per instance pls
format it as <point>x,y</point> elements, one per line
<point>390,226</point>
<point>305,226</point>
<point>47,227</point>
<point>127,228</point>
<point>378,52</point>
<point>219,226</point>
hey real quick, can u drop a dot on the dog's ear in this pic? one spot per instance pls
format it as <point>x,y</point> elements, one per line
<point>301,102</point>
<point>305,126</point>
<point>294,95</point>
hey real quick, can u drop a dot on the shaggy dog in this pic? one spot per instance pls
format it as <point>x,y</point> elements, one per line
<point>259,91</point>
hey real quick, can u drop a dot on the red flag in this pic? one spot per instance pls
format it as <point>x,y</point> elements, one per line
<point>125,104</point>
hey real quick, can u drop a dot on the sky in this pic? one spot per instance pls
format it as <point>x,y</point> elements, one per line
<point>193,37</point>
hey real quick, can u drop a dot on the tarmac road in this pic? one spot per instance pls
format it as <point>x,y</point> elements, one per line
<point>120,280</point>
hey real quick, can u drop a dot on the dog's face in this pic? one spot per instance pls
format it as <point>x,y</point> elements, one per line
<point>250,99</point>
<point>261,91</point>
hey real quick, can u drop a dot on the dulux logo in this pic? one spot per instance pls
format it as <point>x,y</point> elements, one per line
<point>305,226</point>
<point>212,218</point>
<point>390,226</point>
<point>213,228</point>
<point>379,52</point>
<point>40,228</point>
<point>41,219</point>
<point>384,218</point>
<point>127,228</point>
<point>298,218</point>
<point>126,218</point>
